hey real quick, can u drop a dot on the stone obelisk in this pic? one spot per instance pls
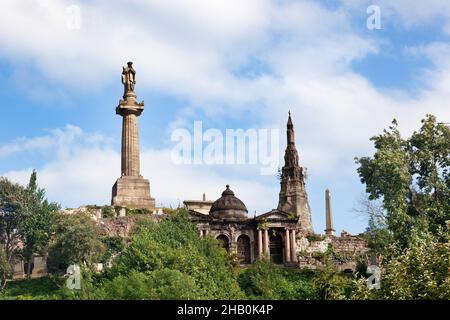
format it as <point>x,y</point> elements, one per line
<point>329,214</point>
<point>131,189</point>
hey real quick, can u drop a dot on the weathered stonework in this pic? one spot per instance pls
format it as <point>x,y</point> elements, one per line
<point>283,235</point>
<point>122,226</point>
<point>293,198</point>
<point>344,251</point>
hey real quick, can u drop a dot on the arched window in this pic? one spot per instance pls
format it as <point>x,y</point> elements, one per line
<point>243,249</point>
<point>223,241</point>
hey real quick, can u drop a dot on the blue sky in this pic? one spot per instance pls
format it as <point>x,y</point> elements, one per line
<point>230,64</point>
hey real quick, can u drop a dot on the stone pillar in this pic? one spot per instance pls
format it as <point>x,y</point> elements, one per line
<point>130,146</point>
<point>329,214</point>
<point>287,246</point>
<point>266,244</point>
<point>293,246</point>
<point>131,189</point>
<point>260,244</point>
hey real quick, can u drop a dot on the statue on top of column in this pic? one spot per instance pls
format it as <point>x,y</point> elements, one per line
<point>128,78</point>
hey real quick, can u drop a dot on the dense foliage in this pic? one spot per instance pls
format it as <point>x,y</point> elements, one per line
<point>169,260</point>
<point>265,280</point>
<point>409,230</point>
<point>411,177</point>
<point>76,240</point>
<point>38,221</point>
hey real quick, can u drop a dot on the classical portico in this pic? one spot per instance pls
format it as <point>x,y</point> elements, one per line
<point>276,234</point>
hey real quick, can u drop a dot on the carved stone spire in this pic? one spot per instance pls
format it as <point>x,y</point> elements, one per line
<point>293,196</point>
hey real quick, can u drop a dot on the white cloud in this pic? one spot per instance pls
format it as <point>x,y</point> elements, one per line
<point>195,49</point>
<point>57,138</point>
<point>83,169</point>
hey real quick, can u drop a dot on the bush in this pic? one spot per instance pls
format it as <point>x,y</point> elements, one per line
<point>114,246</point>
<point>108,212</point>
<point>420,271</point>
<point>333,285</point>
<point>265,280</point>
<point>162,284</point>
<point>315,237</point>
<point>76,241</point>
<point>173,246</point>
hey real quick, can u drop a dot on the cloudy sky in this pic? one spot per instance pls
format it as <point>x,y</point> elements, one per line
<point>230,64</point>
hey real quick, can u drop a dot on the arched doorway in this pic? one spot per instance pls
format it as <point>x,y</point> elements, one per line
<point>276,249</point>
<point>243,249</point>
<point>223,241</point>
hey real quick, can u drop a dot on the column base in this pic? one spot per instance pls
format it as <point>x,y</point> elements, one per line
<point>132,192</point>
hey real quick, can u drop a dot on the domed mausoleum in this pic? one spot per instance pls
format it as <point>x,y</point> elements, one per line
<point>228,207</point>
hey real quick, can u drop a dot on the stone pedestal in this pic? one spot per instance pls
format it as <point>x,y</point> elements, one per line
<point>132,192</point>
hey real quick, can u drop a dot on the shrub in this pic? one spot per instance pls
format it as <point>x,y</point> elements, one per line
<point>174,245</point>
<point>265,280</point>
<point>76,241</point>
<point>108,212</point>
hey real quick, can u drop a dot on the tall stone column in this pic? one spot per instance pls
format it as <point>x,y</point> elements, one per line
<point>260,244</point>
<point>329,214</point>
<point>130,144</point>
<point>266,244</point>
<point>287,245</point>
<point>131,189</point>
<point>293,246</point>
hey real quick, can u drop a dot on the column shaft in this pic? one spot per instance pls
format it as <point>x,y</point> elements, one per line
<point>293,247</point>
<point>266,244</point>
<point>130,146</point>
<point>287,246</point>
<point>260,244</point>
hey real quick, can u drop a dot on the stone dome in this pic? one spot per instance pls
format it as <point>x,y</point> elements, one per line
<point>228,207</point>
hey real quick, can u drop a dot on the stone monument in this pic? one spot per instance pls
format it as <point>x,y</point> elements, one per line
<point>131,189</point>
<point>329,231</point>
<point>293,197</point>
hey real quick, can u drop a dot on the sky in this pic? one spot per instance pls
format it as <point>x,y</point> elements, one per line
<point>230,64</point>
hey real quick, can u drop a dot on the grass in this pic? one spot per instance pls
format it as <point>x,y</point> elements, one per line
<point>46,288</point>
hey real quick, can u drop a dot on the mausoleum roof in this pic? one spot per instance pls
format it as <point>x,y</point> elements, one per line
<point>228,206</point>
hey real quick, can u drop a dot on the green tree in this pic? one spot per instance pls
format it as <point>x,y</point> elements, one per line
<point>5,269</point>
<point>37,222</point>
<point>411,177</point>
<point>76,240</point>
<point>12,203</point>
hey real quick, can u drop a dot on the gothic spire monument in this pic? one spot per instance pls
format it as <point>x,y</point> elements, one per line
<point>131,189</point>
<point>293,197</point>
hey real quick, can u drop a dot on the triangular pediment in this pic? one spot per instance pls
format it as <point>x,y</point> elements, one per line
<point>275,214</point>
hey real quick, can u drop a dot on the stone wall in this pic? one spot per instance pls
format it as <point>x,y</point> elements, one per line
<point>122,226</point>
<point>344,250</point>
